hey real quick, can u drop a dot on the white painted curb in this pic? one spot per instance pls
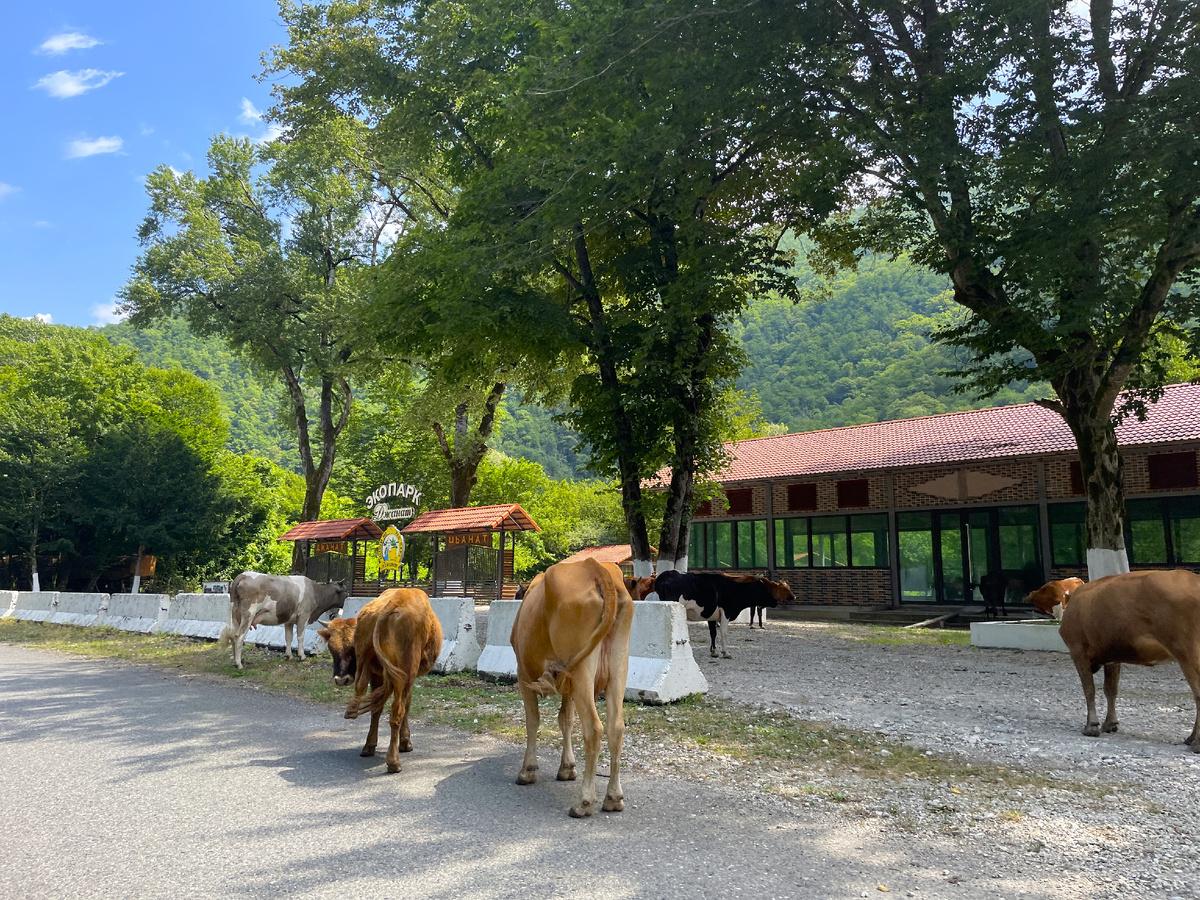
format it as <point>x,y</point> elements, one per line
<point>196,615</point>
<point>1030,634</point>
<point>34,607</point>
<point>135,612</point>
<point>79,609</point>
<point>497,659</point>
<point>662,668</point>
<point>460,636</point>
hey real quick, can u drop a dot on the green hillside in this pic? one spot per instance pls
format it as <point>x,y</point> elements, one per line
<point>861,354</point>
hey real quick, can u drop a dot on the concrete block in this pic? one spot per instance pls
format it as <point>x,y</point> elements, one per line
<point>135,612</point>
<point>8,603</point>
<point>1029,634</point>
<point>662,668</point>
<point>272,636</point>
<point>79,609</point>
<point>743,618</point>
<point>460,637</point>
<point>34,607</point>
<point>195,615</point>
<point>497,659</point>
<point>352,605</point>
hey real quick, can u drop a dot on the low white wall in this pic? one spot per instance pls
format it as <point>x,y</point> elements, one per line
<point>196,615</point>
<point>1033,634</point>
<point>352,605</point>
<point>497,659</point>
<point>34,607</point>
<point>79,609</point>
<point>662,668</point>
<point>135,612</point>
<point>743,618</point>
<point>8,602</point>
<point>460,636</point>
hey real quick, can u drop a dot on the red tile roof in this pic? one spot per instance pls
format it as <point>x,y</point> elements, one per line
<point>613,553</point>
<point>1004,431</point>
<point>510,516</point>
<point>333,530</point>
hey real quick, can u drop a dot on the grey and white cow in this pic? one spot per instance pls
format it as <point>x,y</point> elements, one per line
<point>293,601</point>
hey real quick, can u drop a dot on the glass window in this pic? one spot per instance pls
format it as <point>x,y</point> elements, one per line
<point>696,546</point>
<point>752,544</point>
<point>916,556</point>
<point>791,543</point>
<point>869,541</point>
<point>1019,551</point>
<point>1147,536</point>
<point>829,544</point>
<point>1068,533</point>
<point>720,545</point>
<point>1185,529</point>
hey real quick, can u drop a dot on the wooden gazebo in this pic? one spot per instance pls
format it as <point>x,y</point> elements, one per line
<point>332,550</point>
<point>467,561</point>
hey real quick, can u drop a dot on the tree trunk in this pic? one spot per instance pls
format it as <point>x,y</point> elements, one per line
<point>137,572</point>
<point>469,449</point>
<point>33,553</point>
<point>673,539</point>
<point>1090,421</point>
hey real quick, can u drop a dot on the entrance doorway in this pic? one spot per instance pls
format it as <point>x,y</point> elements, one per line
<point>944,554</point>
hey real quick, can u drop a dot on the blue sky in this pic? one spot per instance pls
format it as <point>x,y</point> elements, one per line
<point>95,95</point>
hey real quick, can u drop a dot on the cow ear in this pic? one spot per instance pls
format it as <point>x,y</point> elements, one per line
<point>324,634</point>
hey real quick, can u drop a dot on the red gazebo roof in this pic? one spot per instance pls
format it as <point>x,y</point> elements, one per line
<point>506,516</point>
<point>607,553</point>
<point>333,530</point>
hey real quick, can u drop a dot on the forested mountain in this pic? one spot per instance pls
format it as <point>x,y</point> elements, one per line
<point>859,354</point>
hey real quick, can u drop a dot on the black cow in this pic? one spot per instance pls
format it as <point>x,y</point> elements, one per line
<point>718,599</point>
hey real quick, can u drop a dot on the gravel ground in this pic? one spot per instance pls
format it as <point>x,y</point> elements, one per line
<point>1121,823</point>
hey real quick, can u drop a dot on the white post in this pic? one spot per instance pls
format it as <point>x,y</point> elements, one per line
<point>36,585</point>
<point>137,574</point>
<point>1101,563</point>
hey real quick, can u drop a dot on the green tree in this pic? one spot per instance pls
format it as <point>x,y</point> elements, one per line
<point>1043,156</point>
<point>272,252</point>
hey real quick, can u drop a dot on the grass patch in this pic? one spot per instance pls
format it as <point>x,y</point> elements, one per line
<point>782,743</point>
<point>896,636</point>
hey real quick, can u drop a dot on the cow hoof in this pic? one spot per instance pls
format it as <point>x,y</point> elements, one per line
<point>1193,741</point>
<point>1196,746</point>
<point>712,653</point>
<point>1110,727</point>
<point>613,804</point>
<point>583,810</point>
<point>1092,730</point>
<point>566,773</point>
<point>406,747</point>
<point>393,767</point>
<point>527,776</point>
<point>726,656</point>
<point>367,751</point>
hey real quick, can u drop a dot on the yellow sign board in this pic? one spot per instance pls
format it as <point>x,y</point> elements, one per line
<point>391,550</point>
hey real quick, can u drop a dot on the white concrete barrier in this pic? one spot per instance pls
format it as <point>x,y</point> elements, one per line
<point>196,615</point>
<point>79,609</point>
<point>1029,634</point>
<point>352,605</point>
<point>460,637</point>
<point>34,607</point>
<point>743,618</point>
<point>662,668</point>
<point>8,602</point>
<point>497,659</point>
<point>272,636</point>
<point>135,612</point>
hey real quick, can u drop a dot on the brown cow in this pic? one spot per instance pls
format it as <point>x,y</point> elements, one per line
<point>571,638</point>
<point>1142,618</point>
<point>639,588</point>
<point>395,639</point>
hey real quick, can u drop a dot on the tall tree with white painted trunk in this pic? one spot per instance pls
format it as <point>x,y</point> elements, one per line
<point>1044,155</point>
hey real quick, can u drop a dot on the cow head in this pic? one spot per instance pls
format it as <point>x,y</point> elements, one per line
<point>1051,598</point>
<point>341,590</point>
<point>778,591</point>
<point>339,635</point>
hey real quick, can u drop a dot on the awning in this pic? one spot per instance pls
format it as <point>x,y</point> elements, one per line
<point>505,516</point>
<point>334,530</point>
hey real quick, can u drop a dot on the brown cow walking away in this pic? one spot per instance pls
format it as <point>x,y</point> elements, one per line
<point>394,640</point>
<point>1142,618</point>
<point>571,638</point>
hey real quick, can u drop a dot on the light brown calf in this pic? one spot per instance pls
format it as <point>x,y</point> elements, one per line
<point>1142,618</point>
<point>394,640</point>
<point>571,638</point>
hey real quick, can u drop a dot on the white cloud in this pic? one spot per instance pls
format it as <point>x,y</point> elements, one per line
<point>43,223</point>
<point>7,190</point>
<point>82,147</point>
<point>145,130</point>
<point>58,44</point>
<point>63,84</point>
<point>44,318</point>
<point>274,132</point>
<point>106,313</point>
<point>250,112</point>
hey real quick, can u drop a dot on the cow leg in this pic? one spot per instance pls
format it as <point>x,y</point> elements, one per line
<point>528,773</point>
<point>287,639</point>
<point>1086,677</point>
<point>1191,671</point>
<point>614,702</point>
<point>405,737</point>
<point>566,725</point>
<point>372,732</point>
<point>583,687</point>
<point>723,631</point>
<point>712,638</point>
<point>299,629</point>
<point>397,720</point>
<point>238,640</point>
<point>1112,680</point>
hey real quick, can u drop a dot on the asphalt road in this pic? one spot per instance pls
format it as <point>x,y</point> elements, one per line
<point>127,781</point>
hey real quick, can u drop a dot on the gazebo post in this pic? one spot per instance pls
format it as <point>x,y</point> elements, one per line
<point>500,566</point>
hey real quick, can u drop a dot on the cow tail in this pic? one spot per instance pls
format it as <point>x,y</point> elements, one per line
<point>229,632</point>
<point>393,677</point>
<point>607,618</point>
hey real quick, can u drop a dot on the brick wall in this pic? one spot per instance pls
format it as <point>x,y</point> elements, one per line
<point>844,587</point>
<point>719,510</point>
<point>827,494</point>
<point>1022,474</point>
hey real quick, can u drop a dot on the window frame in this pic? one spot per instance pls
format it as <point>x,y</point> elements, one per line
<point>703,560</point>
<point>780,534</point>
